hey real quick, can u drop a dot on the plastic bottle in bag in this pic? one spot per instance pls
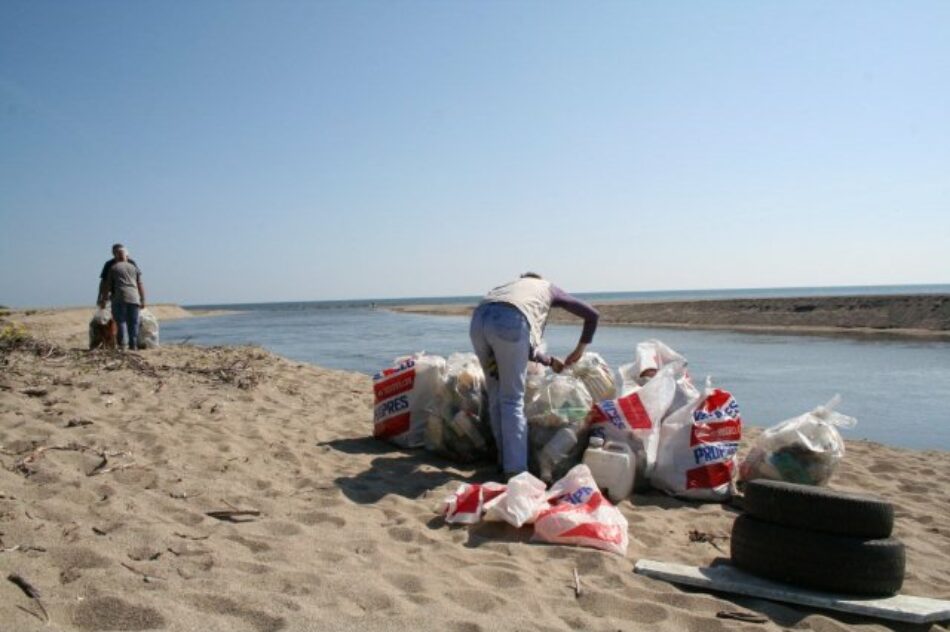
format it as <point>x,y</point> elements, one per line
<point>556,450</point>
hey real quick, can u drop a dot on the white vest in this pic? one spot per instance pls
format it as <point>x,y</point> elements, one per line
<point>532,297</point>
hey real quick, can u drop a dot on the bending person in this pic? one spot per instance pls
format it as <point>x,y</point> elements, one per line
<point>506,332</point>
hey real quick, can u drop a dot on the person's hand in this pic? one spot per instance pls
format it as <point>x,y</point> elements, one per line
<point>101,304</point>
<point>557,365</point>
<point>575,355</point>
<point>142,306</point>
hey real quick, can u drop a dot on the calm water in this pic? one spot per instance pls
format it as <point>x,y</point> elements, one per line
<point>898,389</point>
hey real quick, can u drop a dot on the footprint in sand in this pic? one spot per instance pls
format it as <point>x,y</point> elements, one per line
<point>313,518</point>
<point>497,577</point>
<point>475,600</point>
<point>258,619</point>
<point>406,582</point>
<point>607,605</point>
<point>78,557</point>
<point>254,546</point>
<point>112,613</point>
<point>282,528</point>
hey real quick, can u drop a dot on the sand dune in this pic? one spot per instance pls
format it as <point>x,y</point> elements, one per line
<point>110,521</point>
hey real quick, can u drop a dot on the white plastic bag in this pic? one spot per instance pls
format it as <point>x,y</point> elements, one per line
<point>635,418</point>
<point>148,330</point>
<point>520,504</point>
<point>467,504</point>
<point>596,375</point>
<point>457,427</point>
<point>805,449</point>
<point>581,515</point>
<point>403,396</point>
<point>557,424</point>
<point>649,357</point>
<point>99,319</point>
<point>698,444</point>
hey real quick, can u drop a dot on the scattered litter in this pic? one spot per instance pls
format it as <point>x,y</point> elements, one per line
<point>466,505</point>
<point>520,504</point>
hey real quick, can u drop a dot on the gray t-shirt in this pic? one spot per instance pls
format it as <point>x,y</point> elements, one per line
<point>123,279</point>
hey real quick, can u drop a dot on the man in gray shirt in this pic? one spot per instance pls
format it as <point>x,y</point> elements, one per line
<point>123,286</point>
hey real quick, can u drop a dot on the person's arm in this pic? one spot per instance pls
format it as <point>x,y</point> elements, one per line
<point>546,360</point>
<point>105,288</point>
<point>582,310</point>
<point>103,285</point>
<point>138,281</point>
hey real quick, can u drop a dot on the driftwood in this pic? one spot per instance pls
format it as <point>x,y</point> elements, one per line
<point>231,515</point>
<point>30,591</point>
<point>738,615</point>
<point>145,576</point>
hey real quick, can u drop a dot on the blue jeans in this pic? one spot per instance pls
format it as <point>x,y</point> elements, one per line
<point>502,338</point>
<point>126,316</point>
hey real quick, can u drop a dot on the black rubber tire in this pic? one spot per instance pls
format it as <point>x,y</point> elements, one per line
<point>819,509</point>
<point>816,560</point>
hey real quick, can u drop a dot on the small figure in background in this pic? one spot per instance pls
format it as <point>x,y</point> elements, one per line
<point>122,285</point>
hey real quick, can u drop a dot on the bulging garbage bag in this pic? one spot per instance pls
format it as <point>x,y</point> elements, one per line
<point>403,396</point>
<point>557,424</point>
<point>148,330</point>
<point>458,425</point>
<point>804,450</point>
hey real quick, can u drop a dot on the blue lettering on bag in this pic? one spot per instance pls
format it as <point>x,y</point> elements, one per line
<point>713,453</point>
<point>391,406</point>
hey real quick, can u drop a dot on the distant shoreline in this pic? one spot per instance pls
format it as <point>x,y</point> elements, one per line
<point>906,316</point>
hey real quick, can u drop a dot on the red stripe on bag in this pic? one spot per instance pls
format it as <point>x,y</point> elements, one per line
<point>709,476</point>
<point>634,412</point>
<point>395,385</point>
<point>392,426</point>
<point>594,531</point>
<point>716,432</point>
<point>470,501</point>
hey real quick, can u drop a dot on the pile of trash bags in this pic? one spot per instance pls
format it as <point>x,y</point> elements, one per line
<point>684,439</point>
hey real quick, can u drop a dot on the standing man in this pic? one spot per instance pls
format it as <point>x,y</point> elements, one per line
<point>103,288</point>
<point>123,286</point>
<point>506,332</point>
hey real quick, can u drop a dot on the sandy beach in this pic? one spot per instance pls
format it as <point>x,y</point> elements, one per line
<point>921,315</point>
<point>112,462</point>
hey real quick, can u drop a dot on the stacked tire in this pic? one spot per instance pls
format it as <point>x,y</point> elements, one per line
<point>818,538</point>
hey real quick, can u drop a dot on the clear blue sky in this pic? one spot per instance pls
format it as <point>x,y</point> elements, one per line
<point>260,151</point>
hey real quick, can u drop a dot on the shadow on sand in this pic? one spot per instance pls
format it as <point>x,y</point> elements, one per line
<point>407,473</point>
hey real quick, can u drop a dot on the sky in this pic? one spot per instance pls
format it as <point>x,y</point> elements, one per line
<point>280,151</point>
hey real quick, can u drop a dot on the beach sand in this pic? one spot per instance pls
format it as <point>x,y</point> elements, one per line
<point>110,463</point>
